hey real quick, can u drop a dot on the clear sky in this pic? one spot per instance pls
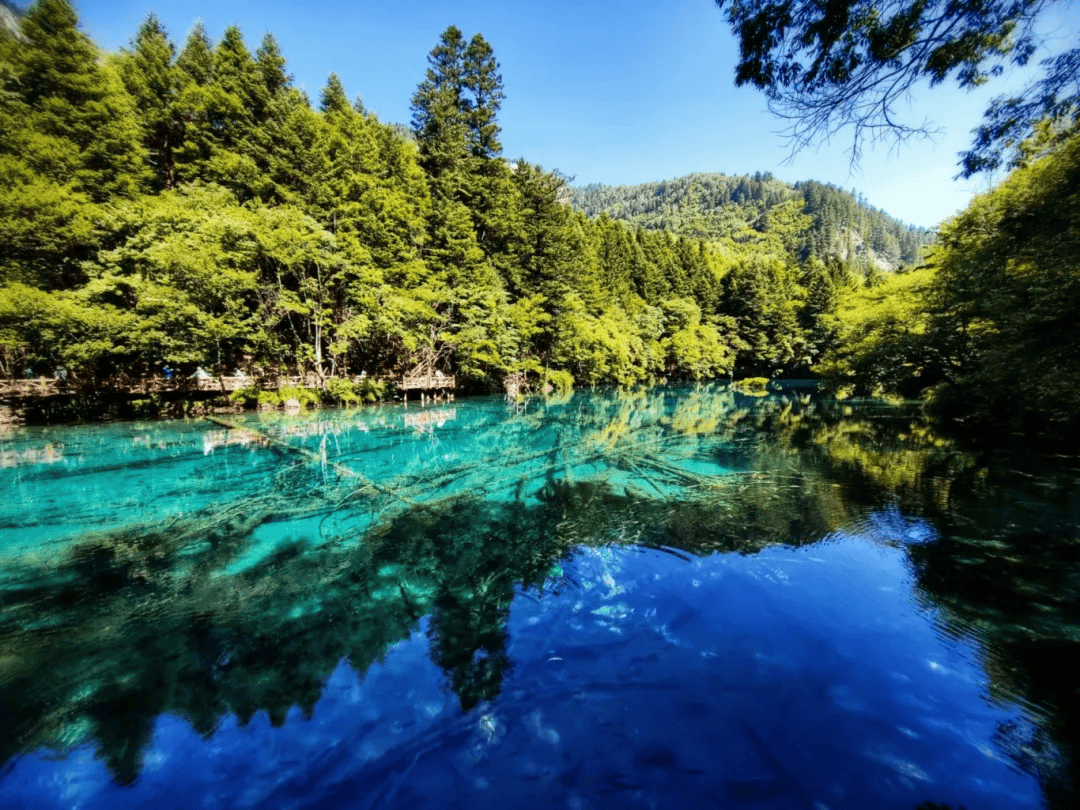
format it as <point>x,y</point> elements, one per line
<point>607,92</point>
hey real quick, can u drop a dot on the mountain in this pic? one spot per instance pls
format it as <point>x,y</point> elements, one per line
<point>818,219</point>
<point>9,18</point>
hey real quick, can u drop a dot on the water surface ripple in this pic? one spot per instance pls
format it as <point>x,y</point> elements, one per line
<point>654,599</point>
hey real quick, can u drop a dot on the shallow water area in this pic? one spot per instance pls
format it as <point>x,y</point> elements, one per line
<point>646,599</point>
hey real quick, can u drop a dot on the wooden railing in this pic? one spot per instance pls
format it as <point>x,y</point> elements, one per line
<point>427,382</point>
<point>49,387</point>
<point>42,387</point>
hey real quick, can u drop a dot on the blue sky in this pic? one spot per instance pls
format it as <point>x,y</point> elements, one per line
<point>606,92</point>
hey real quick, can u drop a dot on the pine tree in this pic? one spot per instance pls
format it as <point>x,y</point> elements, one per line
<point>69,138</point>
<point>154,81</point>
<point>648,283</point>
<point>223,108</point>
<point>197,58</point>
<point>369,191</point>
<point>72,97</point>
<point>271,66</point>
<point>437,107</point>
<point>332,99</point>
<point>271,142</point>
<point>197,106</point>
<point>483,83</point>
<point>236,73</point>
<point>454,111</point>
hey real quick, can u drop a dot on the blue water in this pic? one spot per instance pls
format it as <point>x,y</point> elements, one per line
<point>565,621</point>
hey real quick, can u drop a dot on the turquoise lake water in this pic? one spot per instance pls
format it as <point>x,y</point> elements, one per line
<point>665,598</point>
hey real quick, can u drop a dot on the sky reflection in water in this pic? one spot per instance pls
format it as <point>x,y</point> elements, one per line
<point>615,601</point>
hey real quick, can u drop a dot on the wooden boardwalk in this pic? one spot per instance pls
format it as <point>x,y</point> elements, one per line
<point>16,390</point>
<point>43,387</point>
<point>427,382</point>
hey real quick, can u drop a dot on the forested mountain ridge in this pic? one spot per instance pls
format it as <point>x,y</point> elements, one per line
<point>737,207</point>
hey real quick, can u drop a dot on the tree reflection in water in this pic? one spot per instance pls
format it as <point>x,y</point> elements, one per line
<point>127,625</point>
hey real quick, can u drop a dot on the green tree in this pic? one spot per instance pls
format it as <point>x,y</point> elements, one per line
<point>70,95</point>
<point>369,191</point>
<point>881,343</point>
<point>483,83</point>
<point>603,348</point>
<point>762,295</point>
<point>438,107</point>
<point>154,81</point>
<point>692,349</point>
<point>271,66</point>
<point>180,287</point>
<point>197,58</point>
<point>454,119</point>
<point>222,108</point>
<point>1007,296</point>
<point>69,139</point>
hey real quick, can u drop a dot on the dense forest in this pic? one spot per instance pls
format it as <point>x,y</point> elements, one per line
<point>718,207</point>
<point>187,205</point>
<point>986,331</point>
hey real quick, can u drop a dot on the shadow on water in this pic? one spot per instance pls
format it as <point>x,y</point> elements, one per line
<point>1003,568</point>
<point>1006,571</point>
<point>171,616</point>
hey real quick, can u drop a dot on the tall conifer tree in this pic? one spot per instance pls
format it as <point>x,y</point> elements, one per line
<point>197,58</point>
<point>68,137</point>
<point>154,81</point>
<point>73,97</point>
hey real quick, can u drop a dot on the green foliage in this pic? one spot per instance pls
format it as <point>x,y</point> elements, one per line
<point>154,82</point>
<point>307,397</point>
<point>880,336</point>
<point>602,348</point>
<point>560,381</point>
<point>342,391</point>
<point>987,329</point>
<point>65,93</point>
<point>848,63</point>
<point>764,298</point>
<point>248,396</point>
<point>1007,296</point>
<point>347,392</point>
<point>372,390</point>
<point>216,219</point>
<point>69,138</point>
<point>753,386</point>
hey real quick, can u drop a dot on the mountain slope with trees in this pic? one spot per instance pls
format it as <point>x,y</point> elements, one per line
<point>841,224</point>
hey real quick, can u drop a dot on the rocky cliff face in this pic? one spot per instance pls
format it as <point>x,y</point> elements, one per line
<point>9,19</point>
<point>850,246</point>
